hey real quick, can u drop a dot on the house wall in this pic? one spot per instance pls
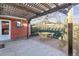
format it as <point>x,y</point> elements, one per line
<point>18,32</point>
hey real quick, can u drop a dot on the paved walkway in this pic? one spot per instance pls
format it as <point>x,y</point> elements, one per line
<point>29,47</point>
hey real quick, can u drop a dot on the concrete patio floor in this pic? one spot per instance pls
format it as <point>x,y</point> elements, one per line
<point>29,47</point>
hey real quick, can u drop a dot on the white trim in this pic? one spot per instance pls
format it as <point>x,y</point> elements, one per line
<point>9,28</point>
<point>7,16</point>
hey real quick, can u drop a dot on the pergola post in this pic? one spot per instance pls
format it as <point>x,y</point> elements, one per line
<point>70,31</point>
<point>28,28</point>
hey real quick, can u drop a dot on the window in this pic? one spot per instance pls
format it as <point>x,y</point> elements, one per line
<point>5,27</point>
<point>18,24</point>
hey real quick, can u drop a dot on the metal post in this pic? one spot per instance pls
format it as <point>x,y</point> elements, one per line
<point>70,32</point>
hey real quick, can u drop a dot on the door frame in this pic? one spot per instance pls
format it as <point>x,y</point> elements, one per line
<point>9,28</point>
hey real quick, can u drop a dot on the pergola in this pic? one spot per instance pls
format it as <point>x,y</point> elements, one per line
<point>34,10</point>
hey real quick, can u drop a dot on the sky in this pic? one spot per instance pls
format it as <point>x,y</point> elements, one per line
<point>57,16</point>
<point>53,17</point>
<point>76,14</point>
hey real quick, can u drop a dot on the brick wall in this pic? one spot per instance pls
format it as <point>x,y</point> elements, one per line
<point>18,32</point>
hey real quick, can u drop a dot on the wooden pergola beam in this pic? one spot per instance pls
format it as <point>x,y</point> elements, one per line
<point>46,5</point>
<point>23,8</point>
<point>6,9</point>
<point>36,6</point>
<point>56,4</point>
<point>52,10</point>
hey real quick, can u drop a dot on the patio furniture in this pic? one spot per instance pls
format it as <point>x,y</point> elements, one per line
<point>2,45</point>
<point>45,35</point>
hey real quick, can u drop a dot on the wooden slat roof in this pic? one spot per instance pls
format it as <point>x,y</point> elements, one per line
<point>32,10</point>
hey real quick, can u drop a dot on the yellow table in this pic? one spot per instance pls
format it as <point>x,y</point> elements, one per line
<point>44,35</point>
